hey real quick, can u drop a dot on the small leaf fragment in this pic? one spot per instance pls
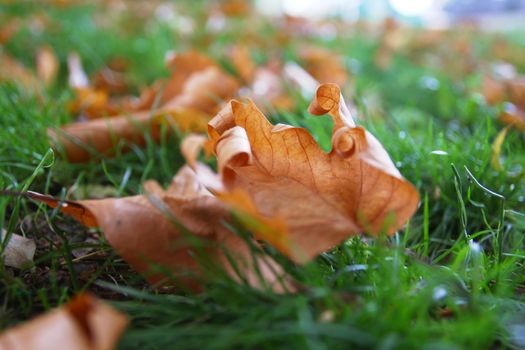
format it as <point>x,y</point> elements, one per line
<point>19,251</point>
<point>85,323</point>
<point>46,65</point>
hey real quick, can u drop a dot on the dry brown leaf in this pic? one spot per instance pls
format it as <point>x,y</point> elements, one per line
<point>193,94</point>
<point>493,90</point>
<point>91,102</point>
<point>278,183</point>
<point>323,65</point>
<point>13,71</point>
<point>511,90</point>
<point>264,84</point>
<point>514,116</point>
<point>235,8</point>
<point>205,91</point>
<point>271,230</point>
<point>8,29</point>
<point>389,42</point>
<point>322,198</point>
<point>243,63</point>
<point>83,141</point>
<point>46,65</point>
<point>85,323</point>
<point>191,146</point>
<point>110,80</point>
<point>146,232</point>
<point>516,91</point>
<point>268,88</point>
<point>504,50</point>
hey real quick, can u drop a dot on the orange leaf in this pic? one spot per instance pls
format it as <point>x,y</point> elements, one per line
<point>110,80</point>
<point>271,230</point>
<point>323,65</point>
<point>191,96</point>
<point>243,63</point>
<point>512,90</point>
<point>80,141</point>
<point>13,71</point>
<point>146,230</point>
<point>46,65</point>
<point>322,198</point>
<point>235,7</point>
<point>493,90</point>
<point>516,88</point>
<point>85,323</point>
<point>265,85</point>
<point>8,30</point>
<point>514,116</point>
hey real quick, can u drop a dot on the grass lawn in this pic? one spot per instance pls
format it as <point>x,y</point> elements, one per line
<point>452,279</point>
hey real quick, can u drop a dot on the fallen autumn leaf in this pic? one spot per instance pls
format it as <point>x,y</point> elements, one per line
<point>85,323</point>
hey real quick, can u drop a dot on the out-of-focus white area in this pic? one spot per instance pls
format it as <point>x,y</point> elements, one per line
<point>411,8</point>
<point>311,8</point>
<point>489,14</point>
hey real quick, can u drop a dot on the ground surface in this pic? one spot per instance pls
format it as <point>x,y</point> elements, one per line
<point>452,279</point>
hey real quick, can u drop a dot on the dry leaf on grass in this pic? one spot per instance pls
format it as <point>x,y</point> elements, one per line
<point>82,141</point>
<point>146,231</point>
<point>509,90</point>
<point>191,96</point>
<point>85,323</point>
<point>265,84</point>
<point>236,8</point>
<point>19,251</point>
<point>275,179</point>
<point>323,65</point>
<point>243,63</point>
<point>514,116</point>
<point>321,198</point>
<point>13,71</point>
<point>111,77</point>
<point>8,29</point>
<point>493,90</point>
<point>46,65</point>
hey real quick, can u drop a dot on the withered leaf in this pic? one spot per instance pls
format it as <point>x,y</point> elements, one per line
<point>112,77</point>
<point>323,65</point>
<point>46,65</point>
<point>8,29</point>
<point>191,96</point>
<point>509,90</point>
<point>513,116</point>
<point>322,198</point>
<point>13,71</point>
<point>85,323</point>
<point>265,84</point>
<point>81,141</point>
<point>146,230</point>
<point>275,179</point>
<point>243,63</point>
<point>235,7</point>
